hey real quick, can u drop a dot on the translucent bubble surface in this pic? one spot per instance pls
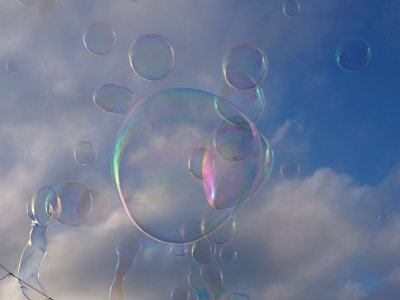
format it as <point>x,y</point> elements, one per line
<point>203,251</point>
<point>245,66</point>
<point>213,279</point>
<point>152,57</point>
<point>224,233</point>
<point>228,254</point>
<point>180,292</point>
<point>45,7</point>
<point>113,99</point>
<point>353,55</point>
<point>290,169</point>
<point>38,206</point>
<point>150,166</point>
<point>100,209</point>
<point>197,283</point>
<point>195,162</point>
<point>85,153</point>
<point>99,38</point>
<point>291,8</point>
<point>13,66</point>
<point>76,203</point>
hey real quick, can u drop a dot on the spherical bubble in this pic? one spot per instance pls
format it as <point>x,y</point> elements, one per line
<point>113,99</point>
<point>195,162</point>
<point>291,8</point>
<point>224,233</point>
<point>245,66</point>
<point>250,102</point>
<point>178,249</point>
<point>76,204</point>
<point>27,2</point>
<point>38,206</point>
<point>150,166</point>
<point>45,7</point>
<point>353,55</point>
<point>181,292</point>
<point>85,153</point>
<point>203,251</point>
<point>383,217</point>
<point>100,209</point>
<point>13,66</point>
<point>228,254</point>
<point>99,38</point>
<point>290,169</point>
<point>152,57</point>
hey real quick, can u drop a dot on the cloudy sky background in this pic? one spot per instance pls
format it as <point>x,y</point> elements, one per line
<point>316,237</point>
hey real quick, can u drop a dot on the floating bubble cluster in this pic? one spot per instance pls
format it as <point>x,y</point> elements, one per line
<point>291,8</point>
<point>353,55</point>
<point>245,66</point>
<point>195,162</point>
<point>152,57</point>
<point>113,99</point>
<point>13,66</point>
<point>85,153</point>
<point>290,169</point>
<point>99,38</point>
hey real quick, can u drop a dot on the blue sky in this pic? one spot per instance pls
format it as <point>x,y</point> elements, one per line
<point>315,237</point>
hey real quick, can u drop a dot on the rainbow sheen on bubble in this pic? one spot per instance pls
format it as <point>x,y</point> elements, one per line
<point>245,66</point>
<point>113,99</point>
<point>45,7</point>
<point>353,55</point>
<point>224,233</point>
<point>152,57</point>
<point>291,8</point>
<point>99,38</point>
<point>41,201</point>
<point>290,169</point>
<point>150,166</point>
<point>203,251</point>
<point>228,254</point>
<point>85,153</point>
<point>13,66</point>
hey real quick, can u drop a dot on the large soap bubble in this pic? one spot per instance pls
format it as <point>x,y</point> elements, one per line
<point>353,55</point>
<point>150,166</point>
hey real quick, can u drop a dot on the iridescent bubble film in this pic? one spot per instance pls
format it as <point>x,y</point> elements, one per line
<point>150,166</point>
<point>228,254</point>
<point>13,66</point>
<point>290,169</point>
<point>353,55</point>
<point>195,162</point>
<point>224,233</point>
<point>41,201</point>
<point>245,66</point>
<point>99,38</point>
<point>180,292</point>
<point>45,7</point>
<point>152,57</point>
<point>203,251</point>
<point>291,8</point>
<point>100,209</point>
<point>113,99</point>
<point>85,153</point>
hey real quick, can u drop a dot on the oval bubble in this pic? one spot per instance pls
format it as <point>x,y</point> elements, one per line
<point>291,8</point>
<point>76,204</point>
<point>353,55</point>
<point>245,66</point>
<point>152,57</point>
<point>224,233</point>
<point>228,254</point>
<point>290,169</point>
<point>150,167</point>
<point>38,206</point>
<point>99,38</point>
<point>195,162</point>
<point>181,292</point>
<point>100,209</point>
<point>113,99</point>
<point>13,66</point>
<point>85,153</point>
<point>203,251</point>
<point>45,7</point>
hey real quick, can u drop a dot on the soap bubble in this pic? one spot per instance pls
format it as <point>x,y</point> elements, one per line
<point>383,217</point>
<point>224,233</point>
<point>76,204</point>
<point>44,7</point>
<point>291,8</point>
<point>152,57</point>
<point>113,99</point>
<point>27,2</point>
<point>228,254</point>
<point>245,66</point>
<point>41,201</point>
<point>181,292</point>
<point>85,153</point>
<point>203,251</point>
<point>290,169</point>
<point>213,279</point>
<point>353,55</point>
<point>13,66</point>
<point>150,166</point>
<point>250,102</point>
<point>100,209</point>
<point>195,162</point>
<point>99,38</point>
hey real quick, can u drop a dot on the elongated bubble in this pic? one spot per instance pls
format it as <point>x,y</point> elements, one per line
<point>127,251</point>
<point>41,201</point>
<point>113,99</point>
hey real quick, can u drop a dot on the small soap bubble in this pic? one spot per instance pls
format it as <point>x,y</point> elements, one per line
<point>291,8</point>
<point>13,66</point>
<point>152,57</point>
<point>99,38</point>
<point>181,292</point>
<point>45,7</point>
<point>228,254</point>
<point>195,162</point>
<point>203,251</point>
<point>245,66</point>
<point>85,153</point>
<point>113,99</point>
<point>224,233</point>
<point>383,217</point>
<point>41,201</point>
<point>290,169</point>
<point>353,55</point>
